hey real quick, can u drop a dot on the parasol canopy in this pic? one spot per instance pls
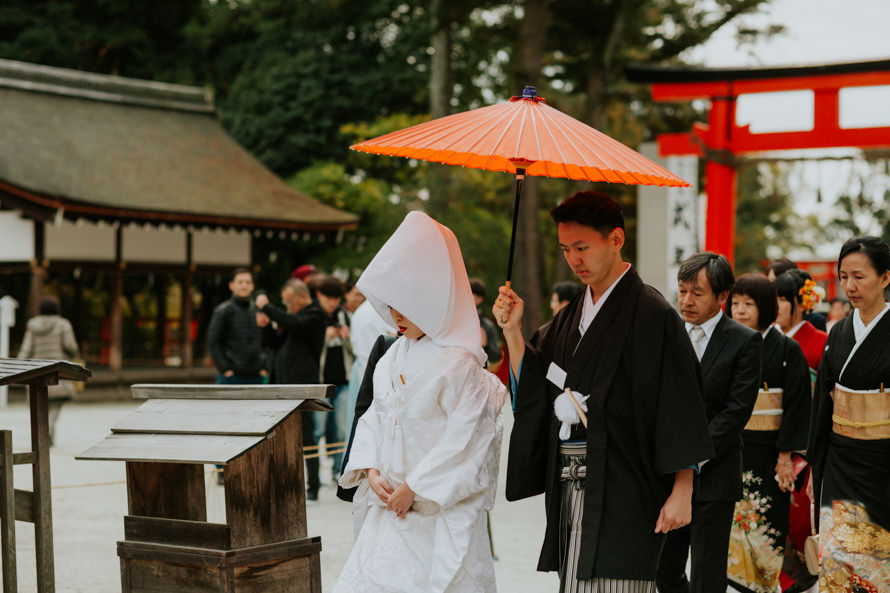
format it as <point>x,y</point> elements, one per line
<point>523,136</point>
<point>523,133</point>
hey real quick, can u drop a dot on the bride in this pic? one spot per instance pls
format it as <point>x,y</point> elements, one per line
<point>425,454</point>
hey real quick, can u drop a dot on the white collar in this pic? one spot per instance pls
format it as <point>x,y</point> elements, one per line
<point>708,326</point>
<point>590,309</point>
<point>795,329</point>
<point>860,330</point>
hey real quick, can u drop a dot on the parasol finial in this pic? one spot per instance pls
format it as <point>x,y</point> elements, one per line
<point>529,92</point>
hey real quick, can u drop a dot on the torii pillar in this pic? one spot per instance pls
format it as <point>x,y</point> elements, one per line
<point>722,140</point>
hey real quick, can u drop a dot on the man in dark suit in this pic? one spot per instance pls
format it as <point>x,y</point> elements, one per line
<point>730,364</point>
<point>297,341</point>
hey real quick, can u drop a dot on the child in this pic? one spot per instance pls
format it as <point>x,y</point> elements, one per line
<point>425,454</point>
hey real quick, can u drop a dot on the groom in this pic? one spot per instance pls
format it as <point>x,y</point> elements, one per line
<point>617,484</point>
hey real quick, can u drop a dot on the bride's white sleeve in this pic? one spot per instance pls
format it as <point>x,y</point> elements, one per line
<point>464,461</point>
<point>363,455</point>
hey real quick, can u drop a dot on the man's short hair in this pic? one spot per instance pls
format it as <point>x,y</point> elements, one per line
<point>477,287</point>
<point>239,271</point>
<point>566,291</point>
<point>590,208</point>
<point>762,292</point>
<point>329,286</point>
<point>717,269</point>
<point>298,287</point>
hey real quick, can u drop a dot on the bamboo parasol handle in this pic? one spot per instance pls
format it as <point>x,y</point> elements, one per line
<point>520,176</point>
<point>578,408</point>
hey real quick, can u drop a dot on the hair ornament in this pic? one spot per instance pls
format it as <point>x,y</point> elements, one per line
<point>810,295</point>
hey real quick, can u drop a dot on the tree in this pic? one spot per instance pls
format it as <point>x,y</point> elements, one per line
<point>865,208</point>
<point>765,216</point>
<point>136,39</point>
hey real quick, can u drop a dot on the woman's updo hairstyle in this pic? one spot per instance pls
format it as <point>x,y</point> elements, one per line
<point>788,285</point>
<point>875,249</point>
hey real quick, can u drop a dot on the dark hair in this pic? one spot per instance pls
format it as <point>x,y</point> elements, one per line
<point>477,287</point>
<point>780,266</point>
<point>788,286</point>
<point>348,285</point>
<point>566,291</point>
<point>876,250</point>
<point>239,271</point>
<point>330,286</point>
<point>50,306</point>
<point>717,269</point>
<point>590,208</point>
<point>837,300</point>
<point>763,293</point>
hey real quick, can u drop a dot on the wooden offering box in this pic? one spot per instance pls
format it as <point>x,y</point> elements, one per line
<point>255,432</point>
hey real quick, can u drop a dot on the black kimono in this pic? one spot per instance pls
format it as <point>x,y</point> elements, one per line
<point>783,366</point>
<point>646,421</point>
<point>851,474</point>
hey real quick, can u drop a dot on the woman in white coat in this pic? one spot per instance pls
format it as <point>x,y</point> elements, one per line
<point>425,454</point>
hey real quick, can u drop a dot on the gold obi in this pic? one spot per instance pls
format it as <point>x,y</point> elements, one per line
<point>767,414</point>
<point>863,415</point>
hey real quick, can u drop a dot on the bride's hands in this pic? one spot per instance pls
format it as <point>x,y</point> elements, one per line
<point>401,500</point>
<point>379,485</point>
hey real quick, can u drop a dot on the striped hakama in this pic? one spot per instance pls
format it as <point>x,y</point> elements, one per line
<point>573,458</point>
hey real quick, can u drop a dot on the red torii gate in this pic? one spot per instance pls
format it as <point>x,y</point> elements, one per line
<point>721,139</point>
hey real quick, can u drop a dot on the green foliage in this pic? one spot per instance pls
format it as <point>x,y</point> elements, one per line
<point>868,211</point>
<point>137,39</point>
<point>765,216</point>
<point>290,74</point>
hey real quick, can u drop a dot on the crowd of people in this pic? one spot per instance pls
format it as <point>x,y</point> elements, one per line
<point>660,440</point>
<point>721,432</point>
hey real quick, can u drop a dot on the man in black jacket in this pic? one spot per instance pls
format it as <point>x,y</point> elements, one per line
<point>729,354</point>
<point>235,338</point>
<point>297,341</point>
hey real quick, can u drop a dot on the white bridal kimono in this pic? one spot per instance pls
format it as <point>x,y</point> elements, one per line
<point>434,424</point>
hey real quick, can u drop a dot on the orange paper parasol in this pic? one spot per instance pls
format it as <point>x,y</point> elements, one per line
<point>524,136</point>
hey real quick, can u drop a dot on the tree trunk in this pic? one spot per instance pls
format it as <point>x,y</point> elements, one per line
<point>439,177</point>
<point>528,264</point>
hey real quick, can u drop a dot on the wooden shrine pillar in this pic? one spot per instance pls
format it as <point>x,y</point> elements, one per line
<point>162,283</point>
<point>38,270</point>
<point>185,307</point>
<point>115,346</point>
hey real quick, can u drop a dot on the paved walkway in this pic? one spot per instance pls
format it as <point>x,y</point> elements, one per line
<point>90,500</point>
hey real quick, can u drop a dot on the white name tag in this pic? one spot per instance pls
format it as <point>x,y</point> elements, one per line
<point>556,375</point>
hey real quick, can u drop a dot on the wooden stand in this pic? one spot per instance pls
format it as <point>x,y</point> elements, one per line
<point>255,432</point>
<point>21,505</point>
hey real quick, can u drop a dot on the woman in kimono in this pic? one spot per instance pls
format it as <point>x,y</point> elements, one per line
<point>797,296</point>
<point>849,446</point>
<point>777,429</point>
<point>425,454</point>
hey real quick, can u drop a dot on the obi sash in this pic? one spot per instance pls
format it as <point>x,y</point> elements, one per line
<point>863,415</point>
<point>767,414</point>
